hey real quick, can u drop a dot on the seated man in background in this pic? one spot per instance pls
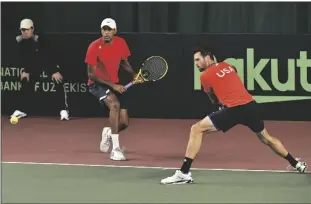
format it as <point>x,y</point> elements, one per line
<point>34,57</point>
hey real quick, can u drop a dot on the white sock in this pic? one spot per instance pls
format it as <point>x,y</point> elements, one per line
<point>115,141</point>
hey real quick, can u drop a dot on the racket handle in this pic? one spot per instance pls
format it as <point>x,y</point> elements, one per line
<point>128,85</point>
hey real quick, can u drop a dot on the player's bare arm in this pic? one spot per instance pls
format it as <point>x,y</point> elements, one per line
<point>91,74</point>
<point>211,95</point>
<point>125,64</point>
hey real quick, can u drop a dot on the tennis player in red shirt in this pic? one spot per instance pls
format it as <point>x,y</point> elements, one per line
<point>104,57</point>
<point>224,87</point>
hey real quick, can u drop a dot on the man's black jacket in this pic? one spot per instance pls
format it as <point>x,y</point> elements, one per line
<point>35,56</point>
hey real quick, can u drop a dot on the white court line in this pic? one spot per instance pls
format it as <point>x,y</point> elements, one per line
<point>151,167</point>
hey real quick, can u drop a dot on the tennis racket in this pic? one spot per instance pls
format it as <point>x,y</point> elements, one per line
<point>153,69</point>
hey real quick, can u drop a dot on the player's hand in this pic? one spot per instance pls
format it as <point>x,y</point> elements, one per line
<point>137,79</point>
<point>57,77</point>
<point>117,87</point>
<point>25,75</point>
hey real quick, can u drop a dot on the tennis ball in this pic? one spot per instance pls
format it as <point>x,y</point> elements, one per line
<point>14,120</point>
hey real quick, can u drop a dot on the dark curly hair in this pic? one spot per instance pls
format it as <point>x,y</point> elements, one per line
<point>204,50</point>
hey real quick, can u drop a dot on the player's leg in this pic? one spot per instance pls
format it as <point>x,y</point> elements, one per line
<point>106,133</point>
<point>217,121</point>
<point>254,122</point>
<point>114,111</point>
<point>123,122</point>
<point>108,98</point>
<point>124,119</point>
<point>114,116</point>
<point>276,145</point>
<point>101,92</point>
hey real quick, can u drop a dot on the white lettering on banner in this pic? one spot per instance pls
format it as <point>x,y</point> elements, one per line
<point>43,75</point>
<point>16,72</point>
<point>45,86</point>
<point>51,87</point>
<point>75,87</point>
<point>14,84</point>
<point>11,71</point>
<point>10,85</point>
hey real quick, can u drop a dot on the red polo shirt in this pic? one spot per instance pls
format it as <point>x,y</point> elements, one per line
<point>226,84</point>
<point>107,58</point>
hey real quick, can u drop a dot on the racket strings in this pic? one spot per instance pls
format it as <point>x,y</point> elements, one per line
<point>155,67</point>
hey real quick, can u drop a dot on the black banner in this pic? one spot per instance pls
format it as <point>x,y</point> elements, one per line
<point>276,69</point>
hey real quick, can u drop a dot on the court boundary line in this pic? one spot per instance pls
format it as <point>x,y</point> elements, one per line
<point>150,167</point>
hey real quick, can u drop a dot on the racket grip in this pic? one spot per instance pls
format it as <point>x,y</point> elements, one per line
<point>128,85</point>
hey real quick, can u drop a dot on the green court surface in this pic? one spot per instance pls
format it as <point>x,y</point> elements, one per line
<point>38,183</point>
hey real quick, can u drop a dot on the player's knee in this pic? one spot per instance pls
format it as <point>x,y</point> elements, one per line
<point>115,106</point>
<point>264,137</point>
<point>195,129</point>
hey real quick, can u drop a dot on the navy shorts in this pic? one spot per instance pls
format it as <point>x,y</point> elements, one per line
<point>248,115</point>
<point>101,91</point>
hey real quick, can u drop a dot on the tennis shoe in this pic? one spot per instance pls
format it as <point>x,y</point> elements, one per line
<point>18,114</point>
<point>178,178</point>
<point>64,115</point>
<point>117,155</point>
<point>300,166</point>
